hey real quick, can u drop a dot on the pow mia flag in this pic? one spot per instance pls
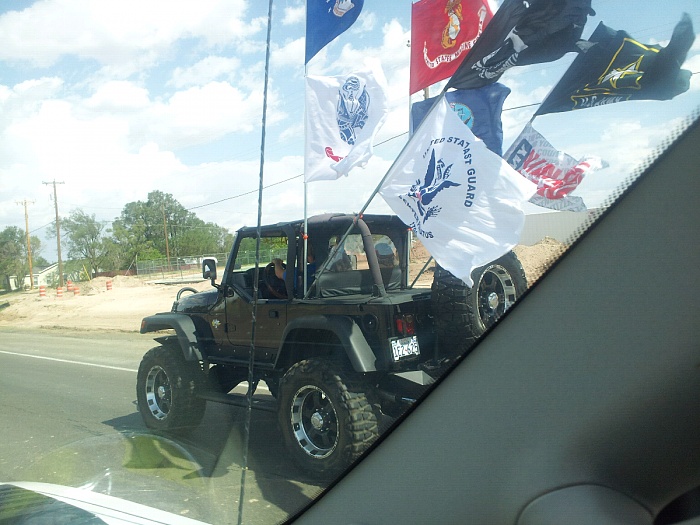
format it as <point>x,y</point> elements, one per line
<point>618,68</point>
<point>522,33</point>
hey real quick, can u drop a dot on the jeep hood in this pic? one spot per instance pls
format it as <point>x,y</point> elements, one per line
<point>198,302</point>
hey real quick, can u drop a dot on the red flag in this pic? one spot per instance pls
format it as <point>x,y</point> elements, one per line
<point>442,33</point>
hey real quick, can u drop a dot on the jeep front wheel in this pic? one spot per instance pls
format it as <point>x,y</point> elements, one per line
<point>325,416</point>
<point>166,390</point>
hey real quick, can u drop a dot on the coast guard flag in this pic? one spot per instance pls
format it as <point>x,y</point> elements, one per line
<point>480,109</point>
<point>343,114</point>
<point>462,201</point>
<point>442,33</point>
<point>618,68</point>
<point>555,173</point>
<point>325,20</point>
<point>523,33</point>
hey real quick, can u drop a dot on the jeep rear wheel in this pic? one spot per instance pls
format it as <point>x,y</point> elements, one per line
<point>166,390</point>
<point>463,313</point>
<point>325,416</point>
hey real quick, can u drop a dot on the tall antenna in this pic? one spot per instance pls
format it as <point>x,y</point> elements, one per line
<point>251,359</point>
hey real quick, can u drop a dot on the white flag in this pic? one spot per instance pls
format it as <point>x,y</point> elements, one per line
<point>463,201</point>
<point>343,114</point>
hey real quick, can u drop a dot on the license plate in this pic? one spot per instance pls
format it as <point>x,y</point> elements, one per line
<point>406,347</point>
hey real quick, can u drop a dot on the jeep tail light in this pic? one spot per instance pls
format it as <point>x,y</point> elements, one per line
<point>405,325</point>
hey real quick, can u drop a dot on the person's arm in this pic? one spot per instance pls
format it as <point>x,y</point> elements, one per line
<point>279,269</point>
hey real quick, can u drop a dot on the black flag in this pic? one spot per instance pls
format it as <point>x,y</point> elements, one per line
<point>619,68</point>
<point>522,33</point>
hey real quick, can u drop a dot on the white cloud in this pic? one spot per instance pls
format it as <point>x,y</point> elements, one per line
<point>118,95</point>
<point>201,114</point>
<point>290,54</point>
<point>294,15</point>
<point>206,70</point>
<point>118,32</point>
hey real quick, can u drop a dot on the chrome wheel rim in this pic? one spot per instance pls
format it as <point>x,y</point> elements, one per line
<point>159,394</point>
<point>496,293</point>
<point>314,422</point>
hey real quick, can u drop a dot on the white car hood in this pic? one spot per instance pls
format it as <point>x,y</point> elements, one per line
<point>111,510</point>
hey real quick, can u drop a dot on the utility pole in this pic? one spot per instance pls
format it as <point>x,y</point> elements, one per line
<point>29,244</point>
<point>165,228</point>
<point>58,232</point>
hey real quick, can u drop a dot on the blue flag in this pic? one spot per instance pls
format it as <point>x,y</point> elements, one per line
<point>480,109</point>
<point>325,20</point>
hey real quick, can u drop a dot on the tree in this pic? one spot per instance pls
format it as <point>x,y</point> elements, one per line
<point>86,239</point>
<point>13,255</point>
<point>142,226</point>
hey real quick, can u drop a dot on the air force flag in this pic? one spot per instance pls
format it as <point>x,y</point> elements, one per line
<point>327,19</point>
<point>343,114</point>
<point>463,201</point>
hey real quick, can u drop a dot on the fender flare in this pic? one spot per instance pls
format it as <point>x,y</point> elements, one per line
<point>184,328</point>
<point>348,332</point>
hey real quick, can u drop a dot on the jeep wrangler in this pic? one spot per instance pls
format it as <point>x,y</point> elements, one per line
<point>342,340</point>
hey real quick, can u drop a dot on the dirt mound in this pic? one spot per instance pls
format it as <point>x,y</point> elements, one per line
<point>538,257</point>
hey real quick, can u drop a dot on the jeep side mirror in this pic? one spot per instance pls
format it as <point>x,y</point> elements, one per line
<point>209,269</point>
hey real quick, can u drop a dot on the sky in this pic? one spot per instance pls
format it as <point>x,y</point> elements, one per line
<point>113,100</point>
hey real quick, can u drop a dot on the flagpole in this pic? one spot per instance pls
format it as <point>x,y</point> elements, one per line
<point>381,182</point>
<point>306,203</point>
<point>251,359</point>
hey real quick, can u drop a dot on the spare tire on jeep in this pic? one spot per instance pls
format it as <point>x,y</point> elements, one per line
<point>462,313</point>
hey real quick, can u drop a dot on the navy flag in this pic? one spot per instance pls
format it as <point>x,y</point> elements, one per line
<point>325,20</point>
<point>522,33</point>
<point>480,109</point>
<point>619,68</point>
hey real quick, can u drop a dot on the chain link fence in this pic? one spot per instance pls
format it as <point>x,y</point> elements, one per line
<point>188,267</point>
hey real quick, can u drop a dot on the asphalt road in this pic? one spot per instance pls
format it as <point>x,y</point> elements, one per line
<point>69,416</point>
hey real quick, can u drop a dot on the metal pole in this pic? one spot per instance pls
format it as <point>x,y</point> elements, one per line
<point>29,243</point>
<point>165,229</point>
<point>58,232</point>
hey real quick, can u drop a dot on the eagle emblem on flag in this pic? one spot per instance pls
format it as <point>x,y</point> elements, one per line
<point>352,110</point>
<point>436,179</point>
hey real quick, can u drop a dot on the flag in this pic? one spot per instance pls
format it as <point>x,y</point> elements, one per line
<point>462,201</point>
<point>618,68</point>
<point>442,33</point>
<point>343,114</point>
<point>556,173</point>
<point>568,203</point>
<point>522,33</point>
<point>326,20</point>
<point>480,109</point>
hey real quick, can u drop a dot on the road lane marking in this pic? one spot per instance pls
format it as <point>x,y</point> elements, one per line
<point>69,361</point>
<point>244,384</point>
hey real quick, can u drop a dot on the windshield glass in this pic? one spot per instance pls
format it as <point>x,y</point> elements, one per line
<point>134,142</point>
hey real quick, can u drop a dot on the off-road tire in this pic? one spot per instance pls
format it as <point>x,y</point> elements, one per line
<point>463,313</point>
<point>166,390</point>
<point>326,418</point>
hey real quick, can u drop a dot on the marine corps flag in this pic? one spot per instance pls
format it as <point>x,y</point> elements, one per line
<point>523,33</point>
<point>462,201</point>
<point>619,68</point>
<point>327,19</point>
<point>442,33</point>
